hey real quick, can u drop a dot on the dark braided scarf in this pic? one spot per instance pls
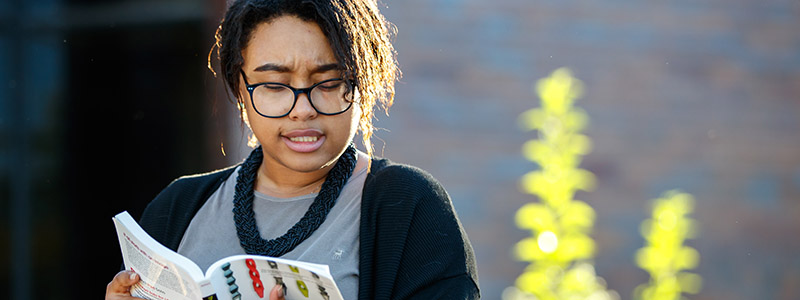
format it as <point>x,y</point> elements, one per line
<point>245,220</point>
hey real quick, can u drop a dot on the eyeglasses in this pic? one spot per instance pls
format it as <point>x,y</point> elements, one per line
<point>276,100</point>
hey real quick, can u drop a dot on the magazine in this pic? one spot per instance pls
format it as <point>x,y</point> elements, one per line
<point>165,274</point>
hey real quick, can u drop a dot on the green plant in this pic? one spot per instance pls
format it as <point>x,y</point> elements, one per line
<point>560,249</point>
<point>664,256</point>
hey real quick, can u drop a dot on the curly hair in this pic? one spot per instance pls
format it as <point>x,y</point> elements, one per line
<point>358,34</point>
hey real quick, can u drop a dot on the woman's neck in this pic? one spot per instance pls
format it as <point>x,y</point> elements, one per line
<point>280,182</point>
<point>289,184</point>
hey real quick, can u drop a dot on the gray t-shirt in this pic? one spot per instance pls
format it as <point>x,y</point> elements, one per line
<point>211,235</point>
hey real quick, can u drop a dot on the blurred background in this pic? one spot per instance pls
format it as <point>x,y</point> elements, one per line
<point>103,103</point>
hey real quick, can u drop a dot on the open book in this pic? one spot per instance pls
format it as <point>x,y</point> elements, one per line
<point>165,274</point>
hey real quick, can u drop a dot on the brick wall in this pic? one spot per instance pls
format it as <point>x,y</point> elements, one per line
<point>702,96</point>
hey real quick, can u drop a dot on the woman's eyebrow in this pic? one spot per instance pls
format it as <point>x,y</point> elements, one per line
<point>284,69</point>
<point>326,67</point>
<point>272,67</point>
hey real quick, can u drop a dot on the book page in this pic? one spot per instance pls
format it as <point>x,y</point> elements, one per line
<point>164,273</point>
<point>249,277</point>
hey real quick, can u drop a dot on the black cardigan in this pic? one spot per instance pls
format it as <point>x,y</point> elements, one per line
<point>412,245</point>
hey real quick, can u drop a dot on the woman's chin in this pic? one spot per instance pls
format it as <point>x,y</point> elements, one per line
<point>309,162</point>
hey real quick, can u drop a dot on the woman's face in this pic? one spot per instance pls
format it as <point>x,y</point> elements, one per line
<point>291,51</point>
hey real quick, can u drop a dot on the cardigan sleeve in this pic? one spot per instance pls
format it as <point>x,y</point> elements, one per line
<point>417,245</point>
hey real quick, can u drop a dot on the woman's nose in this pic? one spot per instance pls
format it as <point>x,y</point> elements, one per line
<point>303,109</point>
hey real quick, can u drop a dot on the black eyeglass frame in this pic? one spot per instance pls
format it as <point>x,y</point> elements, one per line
<point>297,92</point>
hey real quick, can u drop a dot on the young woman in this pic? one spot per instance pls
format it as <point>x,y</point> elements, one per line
<point>306,76</point>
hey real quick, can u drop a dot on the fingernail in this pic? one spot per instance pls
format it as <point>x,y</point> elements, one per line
<point>133,276</point>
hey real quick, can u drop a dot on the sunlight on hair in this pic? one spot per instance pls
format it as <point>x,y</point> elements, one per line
<point>561,252</point>
<point>664,256</point>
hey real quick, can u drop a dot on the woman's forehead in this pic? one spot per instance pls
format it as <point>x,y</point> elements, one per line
<point>288,43</point>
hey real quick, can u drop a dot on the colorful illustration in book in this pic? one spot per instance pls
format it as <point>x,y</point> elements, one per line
<point>322,291</point>
<point>300,284</point>
<point>232,286</point>
<point>309,284</point>
<point>258,287</point>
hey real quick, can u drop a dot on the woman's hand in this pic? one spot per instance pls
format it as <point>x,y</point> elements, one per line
<point>277,293</point>
<point>120,287</point>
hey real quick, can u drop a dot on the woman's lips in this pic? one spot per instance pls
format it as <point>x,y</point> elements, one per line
<point>304,141</point>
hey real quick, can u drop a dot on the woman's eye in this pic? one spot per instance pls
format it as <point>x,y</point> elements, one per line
<point>274,87</point>
<point>331,84</point>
